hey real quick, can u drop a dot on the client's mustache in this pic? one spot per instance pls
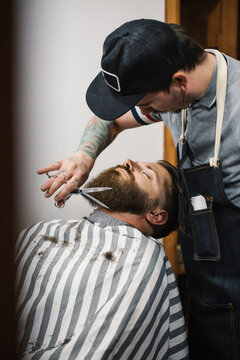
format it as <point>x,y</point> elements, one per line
<point>126,168</point>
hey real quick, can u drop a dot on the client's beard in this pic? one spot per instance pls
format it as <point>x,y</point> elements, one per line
<point>125,196</point>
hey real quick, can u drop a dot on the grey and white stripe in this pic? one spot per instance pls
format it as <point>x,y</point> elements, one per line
<point>88,291</point>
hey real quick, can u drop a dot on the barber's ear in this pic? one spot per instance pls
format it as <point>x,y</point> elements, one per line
<point>179,79</point>
<point>157,216</point>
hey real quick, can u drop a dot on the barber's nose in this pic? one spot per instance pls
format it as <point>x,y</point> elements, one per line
<point>130,164</point>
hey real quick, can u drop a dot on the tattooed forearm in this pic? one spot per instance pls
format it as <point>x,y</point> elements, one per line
<point>97,136</point>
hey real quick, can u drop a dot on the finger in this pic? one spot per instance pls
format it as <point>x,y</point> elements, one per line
<point>51,167</point>
<point>58,181</point>
<point>69,186</point>
<point>47,184</point>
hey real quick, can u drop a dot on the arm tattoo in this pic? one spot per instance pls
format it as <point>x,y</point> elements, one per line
<point>97,136</point>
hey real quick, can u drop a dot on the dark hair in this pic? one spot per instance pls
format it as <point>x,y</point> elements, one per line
<point>170,202</point>
<point>193,52</point>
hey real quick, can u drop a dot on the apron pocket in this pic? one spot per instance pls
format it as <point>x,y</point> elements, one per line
<point>211,331</point>
<point>206,242</point>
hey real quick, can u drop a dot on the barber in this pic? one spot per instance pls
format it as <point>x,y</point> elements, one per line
<point>151,71</point>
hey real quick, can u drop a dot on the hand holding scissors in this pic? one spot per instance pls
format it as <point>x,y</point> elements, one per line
<point>85,193</point>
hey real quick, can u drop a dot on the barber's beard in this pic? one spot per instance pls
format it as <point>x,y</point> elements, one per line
<point>182,100</point>
<point>125,196</point>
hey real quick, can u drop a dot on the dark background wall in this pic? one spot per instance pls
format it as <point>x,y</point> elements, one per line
<point>7,322</point>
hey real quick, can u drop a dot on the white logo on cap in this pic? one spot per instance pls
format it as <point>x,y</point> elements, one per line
<point>112,80</point>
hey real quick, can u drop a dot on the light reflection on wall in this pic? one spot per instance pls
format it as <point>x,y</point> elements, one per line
<point>58,50</point>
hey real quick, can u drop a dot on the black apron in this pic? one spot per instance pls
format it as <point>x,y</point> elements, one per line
<point>210,243</point>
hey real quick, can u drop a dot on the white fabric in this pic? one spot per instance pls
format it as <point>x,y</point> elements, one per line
<point>87,291</point>
<point>220,100</point>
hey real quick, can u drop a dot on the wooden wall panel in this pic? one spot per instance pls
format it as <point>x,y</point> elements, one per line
<point>172,11</point>
<point>172,15</point>
<point>214,24</point>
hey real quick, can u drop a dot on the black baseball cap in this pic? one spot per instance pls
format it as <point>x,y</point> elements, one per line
<point>138,57</point>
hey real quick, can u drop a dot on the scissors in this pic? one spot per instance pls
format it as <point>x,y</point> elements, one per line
<point>85,193</point>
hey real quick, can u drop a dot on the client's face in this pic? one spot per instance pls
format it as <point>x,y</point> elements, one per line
<point>153,178</point>
<point>125,196</point>
<point>136,186</point>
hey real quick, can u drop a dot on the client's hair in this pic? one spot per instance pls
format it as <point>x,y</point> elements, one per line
<point>169,202</point>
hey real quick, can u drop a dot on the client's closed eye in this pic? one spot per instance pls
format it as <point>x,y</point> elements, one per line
<point>146,174</point>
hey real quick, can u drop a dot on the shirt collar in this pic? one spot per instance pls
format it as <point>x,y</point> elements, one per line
<point>103,219</point>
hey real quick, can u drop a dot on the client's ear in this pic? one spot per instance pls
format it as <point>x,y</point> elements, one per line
<point>157,216</point>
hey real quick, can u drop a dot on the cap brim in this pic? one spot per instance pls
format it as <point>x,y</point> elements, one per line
<point>107,103</point>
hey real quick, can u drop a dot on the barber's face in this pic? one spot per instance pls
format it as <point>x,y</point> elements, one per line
<point>162,101</point>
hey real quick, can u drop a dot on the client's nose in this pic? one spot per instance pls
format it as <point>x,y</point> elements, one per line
<point>129,164</point>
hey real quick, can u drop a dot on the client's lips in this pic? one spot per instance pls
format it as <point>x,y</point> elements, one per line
<point>123,172</point>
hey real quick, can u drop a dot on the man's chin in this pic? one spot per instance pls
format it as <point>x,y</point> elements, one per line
<point>177,111</point>
<point>174,111</point>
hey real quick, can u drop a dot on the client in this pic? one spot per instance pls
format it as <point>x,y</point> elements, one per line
<point>102,287</point>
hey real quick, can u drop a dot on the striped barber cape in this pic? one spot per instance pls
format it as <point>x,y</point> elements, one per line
<point>96,289</point>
